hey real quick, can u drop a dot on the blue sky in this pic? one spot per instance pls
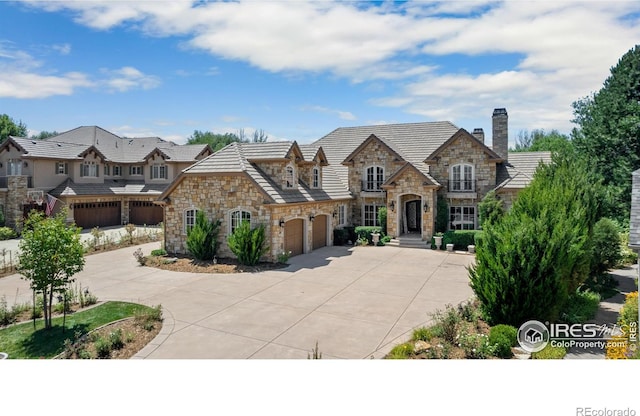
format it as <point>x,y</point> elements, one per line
<point>300,69</point>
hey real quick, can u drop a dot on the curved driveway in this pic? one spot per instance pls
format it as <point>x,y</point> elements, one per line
<point>355,302</point>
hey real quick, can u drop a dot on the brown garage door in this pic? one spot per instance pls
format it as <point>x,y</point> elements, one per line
<point>145,213</point>
<point>96,214</point>
<point>319,231</point>
<point>293,237</point>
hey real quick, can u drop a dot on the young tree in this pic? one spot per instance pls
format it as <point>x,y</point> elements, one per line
<point>51,253</point>
<point>248,244</point>
<point>8,127</point>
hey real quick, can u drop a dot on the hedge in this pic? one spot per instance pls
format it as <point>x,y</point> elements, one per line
<point>459,238</point>
<point>365,232</point>
<point>341,236</point>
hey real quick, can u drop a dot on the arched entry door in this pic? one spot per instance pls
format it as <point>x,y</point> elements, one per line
<point>413,216</point>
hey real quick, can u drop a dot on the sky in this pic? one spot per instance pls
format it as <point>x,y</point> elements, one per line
<point>300,69</point>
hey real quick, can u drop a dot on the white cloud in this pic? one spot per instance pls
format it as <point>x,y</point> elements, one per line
<point>62,49</point>
<point>128,78</point>
<point>343,115</point>
<point>566,48</point>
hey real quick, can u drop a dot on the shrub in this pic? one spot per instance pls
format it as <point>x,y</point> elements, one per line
<point>549,353</point>
<point>442,215</point>
<point>476,346</point>
<point>423,334</point>
<point>606,247</point>
<point>248,244</point>
<point>202,238</point>
<point>284,257</point>
<point>7,233</point>
<point>159,252</point>
<point>103,347</point>
<point>401,351</point>
<point>447,323</point>
<point>140,258</point>
<point>491,209</point>
<point>503,337</point>
<point>382,220</point>
<point>115,338</point>
<point>6,315</point>
<point>364,233</point>
<point>340,236</point>
<point>581,307</point>
<point>460,238</point>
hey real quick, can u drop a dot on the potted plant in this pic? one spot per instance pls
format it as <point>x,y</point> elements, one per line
<point>438,240</point>
<point>375,238</point>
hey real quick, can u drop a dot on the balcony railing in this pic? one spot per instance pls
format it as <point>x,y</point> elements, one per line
<point>371,186</point>
<point>4,182</point>
<point>463,185</point>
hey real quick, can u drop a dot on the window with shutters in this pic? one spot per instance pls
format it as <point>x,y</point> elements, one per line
<point>62,168</point>
<point>136,170</point>
<point>89,169</point>
<point>159,171</point>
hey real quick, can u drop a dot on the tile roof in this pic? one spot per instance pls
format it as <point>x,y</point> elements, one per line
<point>519,170</point>
<point>109,187</point>
<point>125,150</point>
<point>49,150</point>
<point>235,158</point>
<point>634,232</point>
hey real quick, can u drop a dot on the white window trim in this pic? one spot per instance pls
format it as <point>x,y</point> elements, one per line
<point>342,215</point>
<point>185,223</point>
<point>113,170</point>
<point>462,179</point>
<point>315,174</point>
<point>365,179</point>
<point>64,168</point>
<point>376,207</point>
<point>89,169</point>
<point>462,207</point>
<point>293,183</point>
<point>14,167</point>
<point>157,168</point>
<point>138,168</point>
<point>231,213</point>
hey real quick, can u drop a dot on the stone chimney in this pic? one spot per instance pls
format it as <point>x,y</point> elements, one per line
<point>478,133</point>
<point>501,132</point>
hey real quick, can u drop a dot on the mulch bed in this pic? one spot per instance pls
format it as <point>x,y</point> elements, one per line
<point>223,265</point>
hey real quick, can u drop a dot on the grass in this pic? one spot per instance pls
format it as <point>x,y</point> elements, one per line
<point>22,341</point>
<point>549,352</point>
<point>581,307</point>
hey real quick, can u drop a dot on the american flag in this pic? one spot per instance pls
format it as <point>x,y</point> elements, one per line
<point>51,202</point>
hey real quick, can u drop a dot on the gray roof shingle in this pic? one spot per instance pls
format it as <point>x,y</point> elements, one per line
<point>109,187</point>
<point>518,171</point>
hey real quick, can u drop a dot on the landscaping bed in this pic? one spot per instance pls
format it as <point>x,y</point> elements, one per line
<point>183,263</point>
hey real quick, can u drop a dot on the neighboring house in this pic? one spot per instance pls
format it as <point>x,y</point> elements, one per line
<point>101,178</point>
<point>303,192</point>
<point>634,231</point>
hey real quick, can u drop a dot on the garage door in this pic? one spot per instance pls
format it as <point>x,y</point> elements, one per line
<point>96,214</point>
<point>145,213</point>
<point>293,237</point>
<point>319,231</point>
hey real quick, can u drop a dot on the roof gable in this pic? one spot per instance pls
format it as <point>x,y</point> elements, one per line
<point>372,139</point>
<point>462,134</point>
<point>409,167</point>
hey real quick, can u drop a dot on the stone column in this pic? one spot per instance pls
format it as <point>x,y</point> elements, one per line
<point>16,196</point>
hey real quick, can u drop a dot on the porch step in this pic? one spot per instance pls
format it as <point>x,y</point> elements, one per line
<point>409,242</point>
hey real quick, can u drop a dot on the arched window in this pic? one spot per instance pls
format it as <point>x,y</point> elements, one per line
<point>373,179</point>
<point>289,177</point>
<point>236,218</point>
<point>461,178</point>
<point>189,219</point>
<point>315,182</point>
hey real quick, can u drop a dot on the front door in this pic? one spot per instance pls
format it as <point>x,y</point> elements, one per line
<point>414,216</point>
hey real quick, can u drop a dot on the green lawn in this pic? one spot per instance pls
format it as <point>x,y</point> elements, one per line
<point>22,341</point>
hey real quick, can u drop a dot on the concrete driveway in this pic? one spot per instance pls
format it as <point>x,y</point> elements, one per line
<point>355,302</point>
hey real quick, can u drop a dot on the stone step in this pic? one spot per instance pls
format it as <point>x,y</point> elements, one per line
<point>408,243</point>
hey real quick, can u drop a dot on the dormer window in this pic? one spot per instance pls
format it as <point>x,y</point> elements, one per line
<point>15,167</point>
<point>462,178</point>
<point>89,169</point>
<point>315,178</point>
<point>159,171</point>
<point>373,179</point>
<point>289,177</point>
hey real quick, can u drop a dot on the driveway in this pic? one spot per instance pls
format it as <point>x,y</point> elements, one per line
<point>355,302</point>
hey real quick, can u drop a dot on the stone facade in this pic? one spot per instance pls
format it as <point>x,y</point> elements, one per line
<point>373,154</point>
<point>500,127</point>
<point>219,195</point>
<point>406,188</point>
<point>16,196</point>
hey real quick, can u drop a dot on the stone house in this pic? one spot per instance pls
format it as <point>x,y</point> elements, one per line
<point>303,192</point>
<point>102,179</point>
